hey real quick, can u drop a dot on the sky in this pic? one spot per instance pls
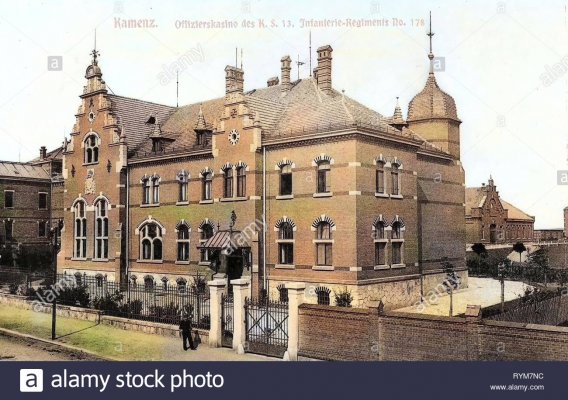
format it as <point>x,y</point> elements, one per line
<point>506,65</point>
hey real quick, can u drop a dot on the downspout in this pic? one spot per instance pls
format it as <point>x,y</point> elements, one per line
<point>127,234</point>
<point>264,217</point>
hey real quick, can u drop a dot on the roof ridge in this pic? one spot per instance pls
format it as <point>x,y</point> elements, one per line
<point>144,101</point>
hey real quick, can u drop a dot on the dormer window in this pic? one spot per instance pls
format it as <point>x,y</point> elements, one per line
<point>157,146</point>
<point>91,149</point>
<point>151,120</point>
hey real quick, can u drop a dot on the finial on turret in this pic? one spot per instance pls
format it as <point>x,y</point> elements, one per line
<point>430,34</point>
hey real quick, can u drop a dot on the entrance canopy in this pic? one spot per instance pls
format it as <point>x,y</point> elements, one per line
<point>224,240</point>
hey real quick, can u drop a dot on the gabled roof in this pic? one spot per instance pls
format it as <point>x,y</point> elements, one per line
<point>133,114</point>
<point>14,170</point>
<point>55,154</point>
<point>475,197</point>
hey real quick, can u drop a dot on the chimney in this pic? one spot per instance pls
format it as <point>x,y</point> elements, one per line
<point>285,72</point>
<point>324,68</point>
<point>272,81</point>
<point>42,153</point>
<point>234,79</point>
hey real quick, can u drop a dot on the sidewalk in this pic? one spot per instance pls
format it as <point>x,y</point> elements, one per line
<point>111,342</point>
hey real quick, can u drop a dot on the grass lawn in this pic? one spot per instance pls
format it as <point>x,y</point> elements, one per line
<point>111,342</point>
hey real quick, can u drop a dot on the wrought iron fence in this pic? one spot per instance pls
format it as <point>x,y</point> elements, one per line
<point>157,303</point>
<point>227,321</point>
<point>266,326</point>
<point>543,309</point>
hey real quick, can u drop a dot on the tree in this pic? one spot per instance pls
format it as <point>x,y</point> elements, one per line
<point>519,247</point>
<point>540,260</point>
<point>479,249</point>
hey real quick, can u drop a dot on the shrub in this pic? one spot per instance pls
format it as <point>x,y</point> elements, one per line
<point>13,288</point>
<point>343,298</point>
<point>111,304</point>
<point>74,296</point>
<point>132,307</point>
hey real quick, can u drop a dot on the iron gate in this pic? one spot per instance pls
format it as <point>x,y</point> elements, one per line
<point>266,326</point>
<point>227,320</point>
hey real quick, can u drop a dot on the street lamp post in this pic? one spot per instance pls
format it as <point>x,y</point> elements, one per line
<point>54,232</point>
<point>501,273</point>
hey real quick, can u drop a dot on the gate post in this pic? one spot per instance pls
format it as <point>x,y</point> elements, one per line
<point>240,291</point>
<point>295,299</point>
<point>216,290</point>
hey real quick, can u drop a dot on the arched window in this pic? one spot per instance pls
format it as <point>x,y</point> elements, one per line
<point>151,242</point>
<point>323,295</point>
<point>206,186</point>
<point>99,280</point>
<point>91,149</point>
<point>380,243</point>
<point>241,182</point>
<point>286,180</point>
<point>286,243</point>
<point>80,230</point>
<point>133,283</point>
<point>324,244</point>
<point>283,293</point>
<point>148,282</point>
<point>380,177</point>
<point>206,233</point>
<point>228,182</point>
<point>395,179</point>
<point>101,229</point>
<point>324,182</point>
<point>183,242</point>
<point>165,283</point>
<point>181,285</point>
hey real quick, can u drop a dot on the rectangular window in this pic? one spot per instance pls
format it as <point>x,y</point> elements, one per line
<point>397,253</point>
<point>43,201</point>
<point>380,253</point>
<point>8,199</point>
<point>9,228</point>
<point>146,192</point>
<point>395,186</point>
<point>207,184</point>
<point>228,187</point>
<point>183,251</point>
<point>324,253</point>
<point>182,191</point>
<point>42,229</point>
<point>285,184</point>
<point>156,192</point>
<point>380,181</point>
<point>241,182</point>
<point>323,181</point>
<point>286,253</point>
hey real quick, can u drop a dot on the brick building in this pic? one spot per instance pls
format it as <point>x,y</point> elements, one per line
<point>352,199</point>
<point>31,194</point>
<point>490,219</point>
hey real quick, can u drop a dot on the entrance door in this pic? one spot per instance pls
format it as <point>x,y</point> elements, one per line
<point>234,267</point>
<point>493,233</point>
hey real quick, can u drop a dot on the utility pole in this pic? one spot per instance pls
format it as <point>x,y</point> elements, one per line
<point>501,272</point>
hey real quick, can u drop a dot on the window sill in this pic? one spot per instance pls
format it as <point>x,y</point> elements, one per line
<point>323,241</point>
<point>324,194</point>
<point>323,268</point>
<point>383,195</point>
<point>285,266</point>
<point>396,196</point>
<point>182,203</point>
<point>210,201</point>
<point>150,205</point>
<point>88,164</point>
<point>381,267</point>
<point>381,240</point>
<point>397,240</point>
<point>100,259</point>
<point>398,266</point>
<point>228,199</point>
<point>285,197</point>
<point>78,258</point>
<point>150,261</point>
<point>182,263</point>
<point>204,263</point>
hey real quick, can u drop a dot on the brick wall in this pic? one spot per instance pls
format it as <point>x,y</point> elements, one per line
<point>346,334</point>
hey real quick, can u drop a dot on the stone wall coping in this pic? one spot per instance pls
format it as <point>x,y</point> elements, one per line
<point>520,325</point>
<point>240,282</point>
<point>217,283</point>
<point>345,310</point>
<point>430,317</point>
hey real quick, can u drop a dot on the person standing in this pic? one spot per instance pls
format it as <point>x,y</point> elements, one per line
<point>185,327</point>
